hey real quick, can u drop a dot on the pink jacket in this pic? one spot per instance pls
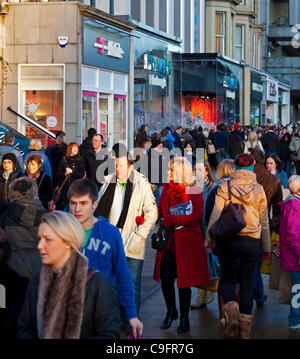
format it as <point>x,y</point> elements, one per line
<point>290,233</point>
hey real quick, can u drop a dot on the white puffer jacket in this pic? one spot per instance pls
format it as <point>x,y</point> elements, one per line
<point>142,202</point>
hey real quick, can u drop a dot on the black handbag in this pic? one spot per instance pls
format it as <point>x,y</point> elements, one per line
<point>159,240</point>
<point>230,222</point>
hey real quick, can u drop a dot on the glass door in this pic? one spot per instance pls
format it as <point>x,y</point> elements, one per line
<point>106,125</point>
<point>89,111</point>
<point>119,119</point>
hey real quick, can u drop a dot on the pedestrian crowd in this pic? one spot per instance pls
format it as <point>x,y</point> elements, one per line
<point>74,220</point>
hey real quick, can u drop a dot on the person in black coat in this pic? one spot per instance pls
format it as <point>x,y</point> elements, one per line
<point>86,148</point>
<point>9,171</point>
<point>285,153</point>
<point>235,144</point>
<point>271,142</point>
<point>72,167</point>
<point>55,155</point>
<point>43,181</point>
<point>67,299</point>
<point>15,289</point>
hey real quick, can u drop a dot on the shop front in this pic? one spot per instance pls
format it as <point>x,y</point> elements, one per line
<point>211,90</point>
<point>283,104</point>
<point>272,100</point>
<point>257,90</point>
<point>105,76</point>
<point>157,81</point>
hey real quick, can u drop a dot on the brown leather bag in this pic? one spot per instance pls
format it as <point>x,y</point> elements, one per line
<point>57,191</point>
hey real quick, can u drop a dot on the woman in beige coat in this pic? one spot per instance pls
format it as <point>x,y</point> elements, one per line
<point>238,255</point>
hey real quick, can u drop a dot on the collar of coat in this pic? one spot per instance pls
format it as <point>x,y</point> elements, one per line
<point>61,299</point>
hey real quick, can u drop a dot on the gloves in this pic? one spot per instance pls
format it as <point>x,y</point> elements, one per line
<point>265,256</point>
<point>169,220</point>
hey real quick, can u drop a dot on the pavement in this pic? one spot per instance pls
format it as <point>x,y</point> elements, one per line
<point>270,320</point>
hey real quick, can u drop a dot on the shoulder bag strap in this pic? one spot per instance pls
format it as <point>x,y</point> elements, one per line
<point>229,190</point>
<point>43,176</point>
<point>91,274</point>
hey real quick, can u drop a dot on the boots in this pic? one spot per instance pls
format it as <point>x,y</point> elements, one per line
<point>245,324</point>
<point>204,297</point>
<point>171,315</point>
<point>184,325</point>
<point>231,316</point>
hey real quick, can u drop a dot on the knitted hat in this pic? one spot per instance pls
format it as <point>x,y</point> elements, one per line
<point>156,142</point>
<point>236,126</point>
<point>11,157</point>
<point>272,128</point>
<point>244,162</point>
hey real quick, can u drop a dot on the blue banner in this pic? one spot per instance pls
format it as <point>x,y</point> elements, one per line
<point>21,142</point>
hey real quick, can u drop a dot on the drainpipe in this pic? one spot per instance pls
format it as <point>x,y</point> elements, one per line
<point>3,13</point>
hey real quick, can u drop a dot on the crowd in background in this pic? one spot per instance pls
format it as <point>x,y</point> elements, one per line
<point>68,234</point>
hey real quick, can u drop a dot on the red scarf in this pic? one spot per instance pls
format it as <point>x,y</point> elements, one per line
<point>176,194</point>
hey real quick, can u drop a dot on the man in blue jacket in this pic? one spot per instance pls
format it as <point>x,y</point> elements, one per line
<point>221,140</point>
<point>103,246</point>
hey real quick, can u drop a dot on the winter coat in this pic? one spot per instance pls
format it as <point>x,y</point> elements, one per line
<point>200,141</point>
<point>15,288</point>
<point>271,143</point>
<point>295,145</point>
<point>157,171</point>
<point>5,148</point>
<point>234,145</point>
<point>166,143</point>
<point>57,153</point>
<point>245,190</point>
<point>92,163</point>
<point>76,164</point>
<point>220,139</point>
<point>289,233</point>
<point>4,185</point>
<point>178,142</point>
<point>257,145</point>
<point>46,167</point>
<point>101,311</point>
<point>20,223</point>
<point>285,151</point>
<point>45,187</point>
<point>283,179</point>
<point>142,202</point>
<point>191,262</point>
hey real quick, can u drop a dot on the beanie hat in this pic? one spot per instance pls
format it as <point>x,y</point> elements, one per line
<point>11,157</point>
<point>272,128</point>
<point>156,142</point>
<point>244,162</point>
<point>236,126</point>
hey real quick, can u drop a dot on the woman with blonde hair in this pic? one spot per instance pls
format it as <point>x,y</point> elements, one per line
<point>35,148</point>
<point>253,142</point>
<point>67,299</point>
<point>184,257</point>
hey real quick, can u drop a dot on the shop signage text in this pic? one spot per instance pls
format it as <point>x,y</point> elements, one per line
<point>157,81</point>
<point>157,64</point>
<point>257,87</point>
<point>113,48</point>
<point>272,89</point>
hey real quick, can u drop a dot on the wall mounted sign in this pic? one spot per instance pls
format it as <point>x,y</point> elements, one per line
<point>157,64</point>
<point>51,121</point>
<point>257,87</point>
<point>157,81</point>
<point>113,49</point>
<point>272,91</point>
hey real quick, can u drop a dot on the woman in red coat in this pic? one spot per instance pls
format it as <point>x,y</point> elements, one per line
<point>184,257</point>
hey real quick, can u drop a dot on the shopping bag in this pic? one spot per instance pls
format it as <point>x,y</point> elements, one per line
<point>275,270</point>
<point>213,265</point>
<point>212,286</point>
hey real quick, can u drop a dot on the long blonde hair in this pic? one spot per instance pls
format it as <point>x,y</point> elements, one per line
<point>182,171</point>
<point>225,168</point>
<point>252,138</point>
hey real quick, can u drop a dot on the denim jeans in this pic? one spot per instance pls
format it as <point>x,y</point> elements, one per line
<point>294,315</point>
<point>135,267</point>
<point>238,258</point>
<point>221,155</point>
<point>258,286</point>
<point>157,194</point>
<point>297,165</point>
<point>287,164</point>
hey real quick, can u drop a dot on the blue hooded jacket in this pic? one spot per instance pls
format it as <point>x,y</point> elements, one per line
<point>105,252</point>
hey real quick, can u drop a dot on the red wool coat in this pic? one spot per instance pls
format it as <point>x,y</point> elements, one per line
<point>192,270</point>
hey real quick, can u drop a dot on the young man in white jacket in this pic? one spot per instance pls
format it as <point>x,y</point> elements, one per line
<point>127,201</point>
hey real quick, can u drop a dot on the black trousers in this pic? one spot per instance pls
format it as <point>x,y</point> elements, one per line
<point>238,258</point>
<point>168,274</point>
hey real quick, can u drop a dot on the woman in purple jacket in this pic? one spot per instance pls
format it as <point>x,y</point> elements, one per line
<point>290,246</point>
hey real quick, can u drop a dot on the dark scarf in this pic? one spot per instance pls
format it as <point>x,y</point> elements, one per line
<point>106,201</point>
<point>61,299</point>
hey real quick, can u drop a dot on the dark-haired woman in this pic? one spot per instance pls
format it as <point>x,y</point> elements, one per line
<point>9,171</point>
<point>43,181</point>
<point>70,169</point>
<point>274,165</point>
<point>285,153</point>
